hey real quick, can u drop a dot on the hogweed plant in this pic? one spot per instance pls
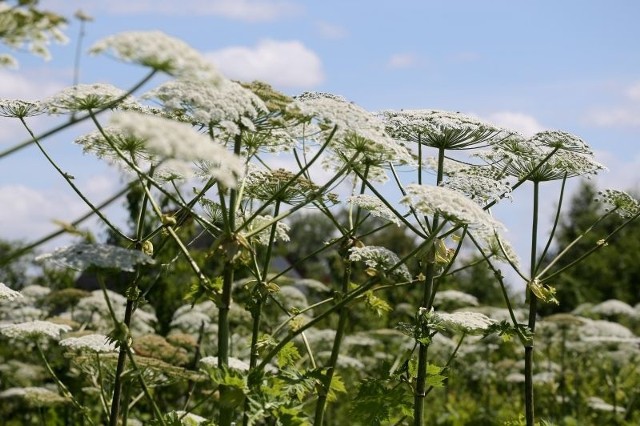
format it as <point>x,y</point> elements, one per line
<point>254,343</point>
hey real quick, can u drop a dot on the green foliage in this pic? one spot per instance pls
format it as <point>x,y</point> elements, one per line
<point>381,401</point>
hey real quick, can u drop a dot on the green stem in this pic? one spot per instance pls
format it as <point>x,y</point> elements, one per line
<point>325,387</point>
<point>69,179</point>
<point>427,297</point>
<point>533,302</point>
<point>224,333</point>
<point>555,225</point>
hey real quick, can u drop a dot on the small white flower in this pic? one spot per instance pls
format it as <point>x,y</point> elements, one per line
<point>82,256</point>
<point>180,143</point>
<point>452,205</point>
<point>209,105</point>
<point>32,329</point>
<point>600,405</point>
<point>35,396</point>
<point>357,132</point>
<point>161,52</point>
<point>234,363</point>
<point>262,237</point>
<point>520,157</point>
<point>84,97</point>
<point>456,297</point>
<point>7,294</point>
<point>465,322</point>
<point>97,343</point>
<point>614,307</point>
<point>376,207</point>
<point>17,108</point>
<point>379,258</point>
<point>441,129</point>
<point>624,204</point>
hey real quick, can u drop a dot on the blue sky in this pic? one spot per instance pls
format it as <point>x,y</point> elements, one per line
<point>572,65</point>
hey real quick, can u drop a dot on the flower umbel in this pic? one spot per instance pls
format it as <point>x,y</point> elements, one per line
<point>161,52</point>
<point>441,129</point>
<point>181,145</point>
<point>83,256</point>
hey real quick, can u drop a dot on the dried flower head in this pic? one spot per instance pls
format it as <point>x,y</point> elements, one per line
<point>16,108</point>
<point>85,97</point>
<point>228,105</point>
<point>160,52</point>
<point>441,129</point>
<point>380,259</point>
<point>82,256</point>
<point>7,294</point>
<point>33,329</point>
<point>180,145</point>
<point>624,204</point>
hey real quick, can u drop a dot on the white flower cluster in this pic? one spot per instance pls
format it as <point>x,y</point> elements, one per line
<point>262,237</point>
<point>82,256</point>
<point>624,204</point>
<point>93,312</point>
<point>97,343</point>
<point>16,108</point>
<point>600,405</point>
<point>181,145</point>
<point>357,132</point>
<point>606,331</point>
<point>161,52</point>
<point>7,294</point>
<point>84,97</point>
<point>35,396</point>
<point>522,158</point>
<point>234,363</point>
<point>227,105</point>
<point>614,307</point>
<point>131,146</point>
<point>463,322</point>
<point>455,297</point>
<point>452,205</point>
<point>379,258</point>
<point>441,129</point>
<point>33,329</point>
<point>31,28</point>
<point>373,205</point>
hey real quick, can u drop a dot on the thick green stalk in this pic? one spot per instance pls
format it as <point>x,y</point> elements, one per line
<point>529,401</point>
<point>427,297</point>
<point>335,350</point>
<point>224,332</point>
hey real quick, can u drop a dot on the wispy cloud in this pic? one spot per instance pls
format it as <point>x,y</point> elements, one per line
<point>280,63</point>
<point>402,60</point>
<point>241,10</point>
<point>626,113</point>
<point>523,123</point>
<point>331,31</point>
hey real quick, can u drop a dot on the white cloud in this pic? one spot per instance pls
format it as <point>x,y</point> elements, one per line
<point>280,63</point>
<point>402,60</point>
<point>18,85</point>
<point>331,31</point>
<point>633,91</point>
<point>620,116</point>
<point>526,124</point>
<point>241,10</point>
<point>28,213</point>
